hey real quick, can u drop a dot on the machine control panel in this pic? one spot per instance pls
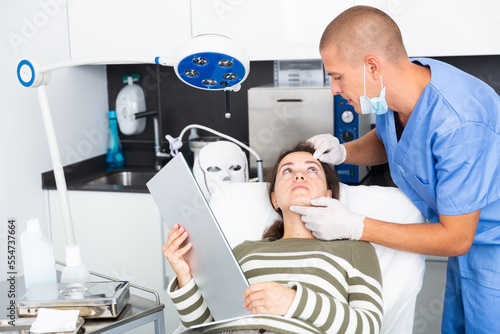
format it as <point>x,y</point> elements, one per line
<point>348,125</point>
<point>346,121</point>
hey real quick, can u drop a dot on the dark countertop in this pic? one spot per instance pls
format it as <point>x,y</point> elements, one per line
<point>78,174</point>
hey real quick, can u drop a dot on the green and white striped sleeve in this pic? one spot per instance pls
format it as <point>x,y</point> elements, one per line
<point>189,303</point>
<point>362,312</point>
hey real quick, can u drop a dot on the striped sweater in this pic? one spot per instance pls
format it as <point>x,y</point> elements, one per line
<point>338,284</point>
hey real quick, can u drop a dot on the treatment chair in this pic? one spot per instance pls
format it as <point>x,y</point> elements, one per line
<point>243,212</point>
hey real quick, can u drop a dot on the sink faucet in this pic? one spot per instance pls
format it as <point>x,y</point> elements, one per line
<point>159,155</point>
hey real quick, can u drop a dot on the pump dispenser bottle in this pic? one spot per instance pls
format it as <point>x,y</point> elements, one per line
<point>114,156</point>
<point>39,264</point>
<point>75,271</point>
<point>130,101</point>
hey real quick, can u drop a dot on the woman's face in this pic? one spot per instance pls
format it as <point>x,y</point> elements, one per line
<point>300,178</point>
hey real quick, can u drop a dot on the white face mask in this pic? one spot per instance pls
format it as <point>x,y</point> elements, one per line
<point>219,163</point>
<point>376,105</point>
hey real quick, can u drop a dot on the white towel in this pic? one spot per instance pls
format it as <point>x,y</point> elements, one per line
<point>50,321</point>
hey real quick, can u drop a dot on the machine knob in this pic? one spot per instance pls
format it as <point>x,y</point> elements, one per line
<point>347,136</point>
<point>347,116</point>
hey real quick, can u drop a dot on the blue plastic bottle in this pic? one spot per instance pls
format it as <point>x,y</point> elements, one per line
<point>114,156</point>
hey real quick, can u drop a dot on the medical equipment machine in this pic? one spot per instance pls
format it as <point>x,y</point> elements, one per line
<point>180,200</point>
<point>280,116</point>
<point>176,144</point>
<point>298,73</point>
<point>209,62</point>
<point>217,164</point>
<point>348,125</point>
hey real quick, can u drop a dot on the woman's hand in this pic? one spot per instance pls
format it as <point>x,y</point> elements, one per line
<point>268,298</point>
<point>174,254</point>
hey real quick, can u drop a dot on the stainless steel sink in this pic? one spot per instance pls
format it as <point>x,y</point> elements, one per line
<point>124,178</point>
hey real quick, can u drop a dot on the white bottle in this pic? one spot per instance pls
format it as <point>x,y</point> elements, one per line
<point>75,271</point>
<point>39,264</point>
<point>130,100</point>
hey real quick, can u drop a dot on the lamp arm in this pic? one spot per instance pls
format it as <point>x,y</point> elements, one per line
<point>164,61</point>
<point>32,73</point>
<point>56,165</point>
<point>260,172</point>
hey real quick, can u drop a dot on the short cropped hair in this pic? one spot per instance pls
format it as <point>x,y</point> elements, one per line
<point>361,31</point>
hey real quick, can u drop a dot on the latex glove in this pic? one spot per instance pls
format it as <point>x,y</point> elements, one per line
<point>329,219</point>
<point>328,149</point>
<point>268,298</point>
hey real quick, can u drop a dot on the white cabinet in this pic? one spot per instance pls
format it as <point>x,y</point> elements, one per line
<point>120,235</point>
<point>268,29</point>
<point>445,28</point>
<point>127,27</point>
<point>273,29</point>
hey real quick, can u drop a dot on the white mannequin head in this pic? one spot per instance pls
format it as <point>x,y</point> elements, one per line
<point>217,163</point>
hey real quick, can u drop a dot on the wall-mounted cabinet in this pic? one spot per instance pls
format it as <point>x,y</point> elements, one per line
<point>127,27</point>
<point>445,28</point>
<point>278,29</point>
<point>273,29</point>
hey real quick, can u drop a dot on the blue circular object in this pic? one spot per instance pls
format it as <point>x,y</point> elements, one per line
<point>223,76</point>
<point>32,79</point>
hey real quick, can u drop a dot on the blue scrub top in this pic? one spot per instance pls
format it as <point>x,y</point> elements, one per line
<point>448,157</point>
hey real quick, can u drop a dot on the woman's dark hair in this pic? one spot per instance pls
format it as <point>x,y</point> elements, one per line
<point>277,229</point>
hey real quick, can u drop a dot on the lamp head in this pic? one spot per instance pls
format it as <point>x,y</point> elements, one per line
<point>212,62</point>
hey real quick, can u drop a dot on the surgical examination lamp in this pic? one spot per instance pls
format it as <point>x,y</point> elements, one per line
<point>209,62</point>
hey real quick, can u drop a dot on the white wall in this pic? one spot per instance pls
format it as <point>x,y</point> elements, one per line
<point>78,98</point>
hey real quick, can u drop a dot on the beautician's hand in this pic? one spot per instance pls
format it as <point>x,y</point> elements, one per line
<point>329,219</point>
<point>268,298</point>
<point>328,149</point>
<point>174,254</point>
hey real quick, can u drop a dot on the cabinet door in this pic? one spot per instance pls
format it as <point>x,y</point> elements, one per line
<point>127,27</point>
<point>445,28</point>
<point>268,29</point>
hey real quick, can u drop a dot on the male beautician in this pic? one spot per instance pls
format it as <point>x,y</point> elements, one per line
<point>439,129</point>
